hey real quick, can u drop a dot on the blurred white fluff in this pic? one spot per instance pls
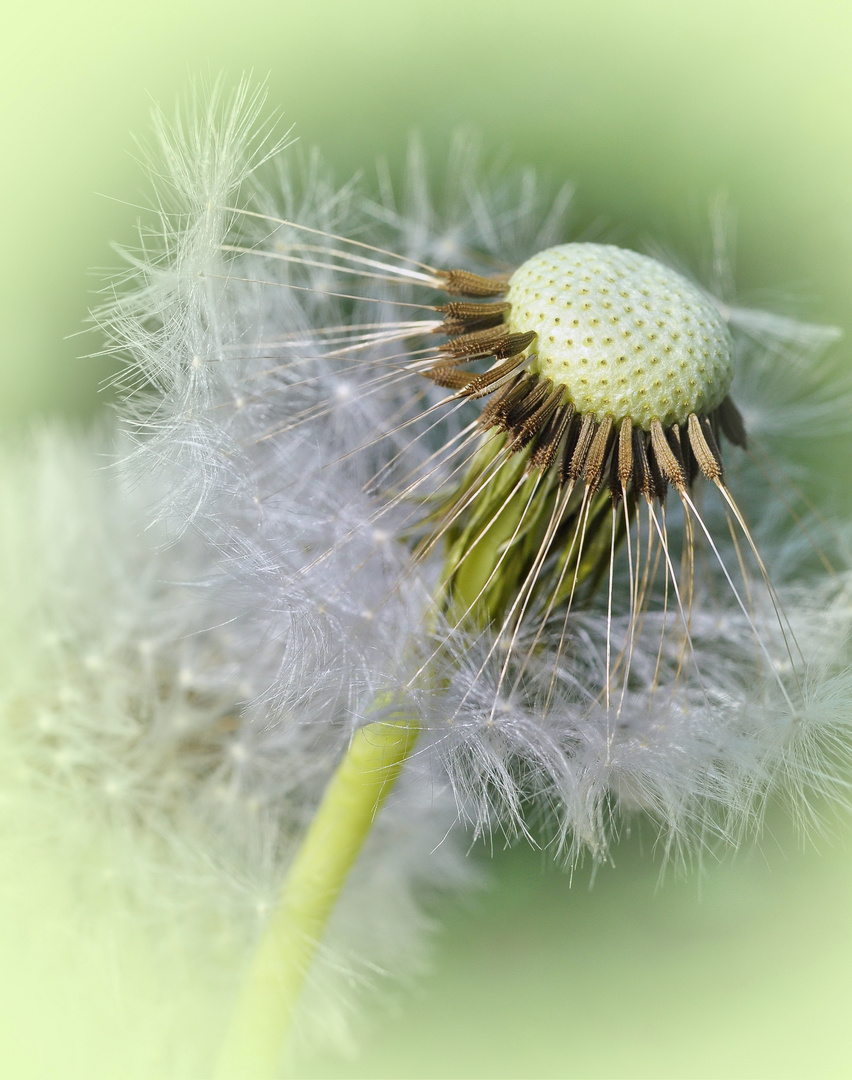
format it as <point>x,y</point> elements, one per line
<point>270,359</point>
<point>696,754</point>
<point>167,733</point>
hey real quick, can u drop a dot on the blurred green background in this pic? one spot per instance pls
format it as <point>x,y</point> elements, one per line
<point>651,109</point>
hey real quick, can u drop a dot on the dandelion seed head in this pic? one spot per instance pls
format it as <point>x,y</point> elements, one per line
<point>393,412</point>
<point>625,335</point>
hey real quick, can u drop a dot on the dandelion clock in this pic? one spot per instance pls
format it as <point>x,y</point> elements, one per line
<point>456,526</point>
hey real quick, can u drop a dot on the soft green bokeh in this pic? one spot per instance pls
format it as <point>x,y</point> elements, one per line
<point>651,108</point>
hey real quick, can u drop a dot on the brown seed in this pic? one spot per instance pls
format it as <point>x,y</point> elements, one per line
<point>598,453</point>
<point>667,462</point>
<point>625,452</point>
<point>465,283</point>
<point>704,447</point>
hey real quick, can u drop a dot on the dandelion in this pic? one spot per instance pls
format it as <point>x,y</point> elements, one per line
<point>521,469</point>
<point>162,729</point>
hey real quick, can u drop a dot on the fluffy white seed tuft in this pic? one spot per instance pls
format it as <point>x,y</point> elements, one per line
<point>168,723</point>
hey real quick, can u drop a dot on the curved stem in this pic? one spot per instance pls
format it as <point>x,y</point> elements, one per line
<point>276,975</point>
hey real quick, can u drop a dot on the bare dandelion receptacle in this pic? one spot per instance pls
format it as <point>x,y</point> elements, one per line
<point>605,355</point>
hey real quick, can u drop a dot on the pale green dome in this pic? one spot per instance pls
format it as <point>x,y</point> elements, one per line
<point>626,335</point>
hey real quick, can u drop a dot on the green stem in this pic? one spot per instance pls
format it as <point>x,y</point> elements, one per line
<point>274,980</point>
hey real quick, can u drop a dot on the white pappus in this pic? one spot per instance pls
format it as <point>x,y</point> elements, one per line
<point>166,735</point>
<point>499,458</point>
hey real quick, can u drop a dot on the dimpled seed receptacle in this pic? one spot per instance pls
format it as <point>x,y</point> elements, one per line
<point>625,335</point>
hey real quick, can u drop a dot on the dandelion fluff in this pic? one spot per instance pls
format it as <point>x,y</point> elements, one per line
<point>167,738</point>
<point>591,599</point>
